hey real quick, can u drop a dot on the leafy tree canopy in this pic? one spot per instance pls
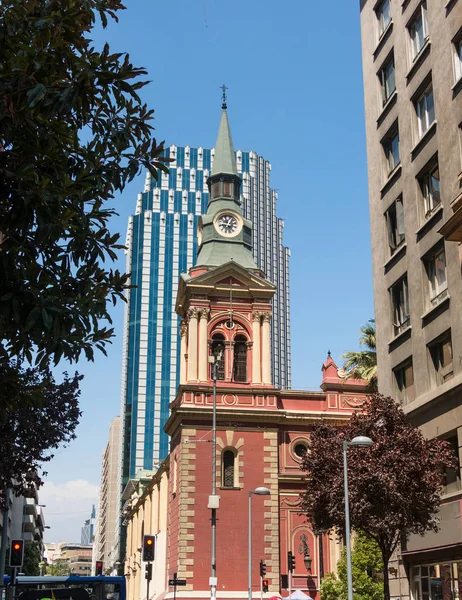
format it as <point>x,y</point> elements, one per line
<point>29,432</point>
<point>73,132</point>
<point>367,567</point>
<point>394,486</point>
<point>32,558</point>
<point>59,568</point>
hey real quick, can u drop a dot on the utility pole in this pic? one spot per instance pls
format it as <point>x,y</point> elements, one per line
<point>4,539</point>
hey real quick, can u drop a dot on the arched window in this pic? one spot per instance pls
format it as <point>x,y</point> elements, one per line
<point>218,349</point>
<point>240,358</point>
<point>227,469</point>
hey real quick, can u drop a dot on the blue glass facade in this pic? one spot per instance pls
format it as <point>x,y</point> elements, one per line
<point>161,244</point>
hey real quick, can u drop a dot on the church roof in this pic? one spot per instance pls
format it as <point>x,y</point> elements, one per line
<point>224,160</point>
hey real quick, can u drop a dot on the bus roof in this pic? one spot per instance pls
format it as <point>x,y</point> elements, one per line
<point>43,579</point>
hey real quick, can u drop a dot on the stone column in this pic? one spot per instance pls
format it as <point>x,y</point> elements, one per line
<point>265,349</point>
<point>192,344</point>
<point>203,345</point>
<point>183,330</point>
<point>256,357</point>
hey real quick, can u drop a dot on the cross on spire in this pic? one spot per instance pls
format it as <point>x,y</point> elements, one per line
<point>223,97</point>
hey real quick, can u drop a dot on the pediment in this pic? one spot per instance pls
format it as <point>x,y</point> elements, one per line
<point>231,273</point>
<point>243,282</point>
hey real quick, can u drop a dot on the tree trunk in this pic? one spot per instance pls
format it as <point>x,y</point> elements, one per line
<point>386,581</point>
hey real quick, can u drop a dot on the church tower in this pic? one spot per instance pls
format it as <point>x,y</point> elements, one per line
<point>262,432</point>
<point>224,301</point>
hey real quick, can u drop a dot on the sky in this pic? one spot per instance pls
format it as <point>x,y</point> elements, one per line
<point>295,97</point>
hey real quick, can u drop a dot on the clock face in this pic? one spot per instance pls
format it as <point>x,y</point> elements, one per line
<point>228,224</point>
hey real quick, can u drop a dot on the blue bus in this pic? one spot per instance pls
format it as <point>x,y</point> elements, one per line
<point>69,587</point>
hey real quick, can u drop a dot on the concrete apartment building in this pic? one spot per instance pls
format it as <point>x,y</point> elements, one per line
<point>412,64</point>
<point>106,543</point>
<point>24,519</point>
<point>77,556</point>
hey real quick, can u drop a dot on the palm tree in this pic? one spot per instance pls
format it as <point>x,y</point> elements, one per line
<point>363,364</point>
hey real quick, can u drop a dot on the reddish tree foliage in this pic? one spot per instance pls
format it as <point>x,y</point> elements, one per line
<point>394,486</point>
<point>37,416</point>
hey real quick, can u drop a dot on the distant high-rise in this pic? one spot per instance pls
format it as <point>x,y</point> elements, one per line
<point>87,531</point>
<point>161,244</point>
<point>105,543</point>
<point>412,65</point>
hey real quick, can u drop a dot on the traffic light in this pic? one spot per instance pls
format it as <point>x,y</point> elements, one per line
<point>17,553</point>
<point>262,568</point>
<point>148,572</point>
<point>99,567</point>
<point>148,548</point>
<point>290,561</point>
<point>265,585</point>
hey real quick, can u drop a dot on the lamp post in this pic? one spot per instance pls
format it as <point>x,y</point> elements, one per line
<point>259,491</point>
<point>360,441</point>
<point>214,498</point>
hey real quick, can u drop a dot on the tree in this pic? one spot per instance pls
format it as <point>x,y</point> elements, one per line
<point>394,486</point>
<point>43,418</point>
<point>367,567</point>
<point>59,568</point>
<point>363,364</point>
<point>32,558</point>
<point>73,133</point>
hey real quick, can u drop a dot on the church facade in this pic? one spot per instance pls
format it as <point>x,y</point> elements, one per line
<point>232,432</point>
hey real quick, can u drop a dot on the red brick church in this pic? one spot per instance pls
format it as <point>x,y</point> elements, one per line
<point>261,432</point>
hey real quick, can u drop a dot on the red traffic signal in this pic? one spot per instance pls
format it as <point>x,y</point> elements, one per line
<point>265,585</point>
<point>17,553</point>
<point>99,567</point>
<point>148,548</point>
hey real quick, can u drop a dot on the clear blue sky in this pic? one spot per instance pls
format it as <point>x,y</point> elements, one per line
<point>295,97</point>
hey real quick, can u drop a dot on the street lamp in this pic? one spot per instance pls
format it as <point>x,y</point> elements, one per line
<point>214,499</point>
<point>359,441</point>
<point>259,491</point>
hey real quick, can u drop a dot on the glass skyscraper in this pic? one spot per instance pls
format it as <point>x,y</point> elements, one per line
<point>161,244</point>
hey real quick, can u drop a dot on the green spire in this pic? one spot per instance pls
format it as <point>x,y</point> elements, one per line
<point>224,160</point>
<point>224,234</point>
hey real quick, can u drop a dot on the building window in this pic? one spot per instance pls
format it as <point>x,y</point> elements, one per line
<point>216,189</point>
<point>404,376</point>
<point>436,580</point>
<point>383,16</point>
<point>218,350</point>
<point>395,225</point>
<point>441,358</point>
<point>429,183</point>
<point>387,80</point>
<point>228,189</point>
<point>425,110</point>
<point>452,476</point>
<point>418,31</point>
<point>435,267</point>
<point>240,359</point>
<point>458,58</point>
<point>400,303</point>
<point>391,149</point>
<point>228,460</point>
<point>300,450</point>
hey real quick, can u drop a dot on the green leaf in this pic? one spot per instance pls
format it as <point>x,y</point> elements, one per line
<point>36,94</point>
